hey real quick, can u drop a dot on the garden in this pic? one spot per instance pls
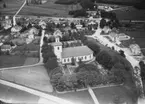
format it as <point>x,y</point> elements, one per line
<point>83,76</point>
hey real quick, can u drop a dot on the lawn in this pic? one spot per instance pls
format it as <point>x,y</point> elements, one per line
<point>33,77</point>
<point>139,37</point>
<point>16,96</point>
<point>82,97</point>
<point>106,95</point>
<point>130,14</point>
<point>31,61</point>
<point>11,61</point>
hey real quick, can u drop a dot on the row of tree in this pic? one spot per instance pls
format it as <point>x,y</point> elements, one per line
<point>49,58</point>
<point>112,23</point>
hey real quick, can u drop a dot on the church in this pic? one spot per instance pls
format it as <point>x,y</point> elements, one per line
<point>65,55</point>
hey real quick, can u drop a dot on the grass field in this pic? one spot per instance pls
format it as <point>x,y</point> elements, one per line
<point>106,95</point>
<point>34,77</point>
<point>130,14</point>
<point>47,9</point>
<point>31,61</point>
<point>81,97</point>
<point>11,61</point>
<point>139,37</point>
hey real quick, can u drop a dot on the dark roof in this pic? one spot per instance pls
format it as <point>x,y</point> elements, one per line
<point>76,51</point>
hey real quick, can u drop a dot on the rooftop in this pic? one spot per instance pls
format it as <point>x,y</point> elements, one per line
<point>76,51</point>
<point>56,44</point>
<point>5,47</point>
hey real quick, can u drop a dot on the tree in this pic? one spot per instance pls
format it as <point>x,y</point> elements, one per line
<point>105,59</point>
<point>121,52</point>
<point>80,13</point>
<point>47,52</point>
<point>73,61</point>
<point>45,40</point>
<point>4,5</point>
<point>87,4</point>
<point>103,23</point>
<point>142,66</point>
<point>51,64</point>
<point>0,50</point>
<point>72,25</point>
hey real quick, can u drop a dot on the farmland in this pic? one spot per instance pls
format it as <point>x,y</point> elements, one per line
<point>36,10</point>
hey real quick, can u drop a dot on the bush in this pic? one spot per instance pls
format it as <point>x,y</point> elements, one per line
<point>79,13</point>
<point>51,64</point>
<point>86,67</point>
<point>65,2</point>
<point>105,59</point>
<point>47,52</point>
<point>87,4</point>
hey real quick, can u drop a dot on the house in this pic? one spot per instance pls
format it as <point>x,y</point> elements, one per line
<point>65,55</point>
<point>7,23</point>
<point>5,48</point>
<point>135,49</point>
<point>16,28</point>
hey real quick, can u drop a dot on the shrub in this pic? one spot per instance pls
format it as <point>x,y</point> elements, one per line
<point>47,52</point>
<point>105,59</point>
<point>51,64</point>
<point>80,13</point>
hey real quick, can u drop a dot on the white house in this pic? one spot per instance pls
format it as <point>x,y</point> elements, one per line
<point>65,55</point>
<point>135,49</point>
<point>16,28</point>
<point>5,48</point>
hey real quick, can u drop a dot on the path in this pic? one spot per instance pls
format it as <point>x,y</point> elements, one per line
<point>93,95</point>
<point>14,17</point>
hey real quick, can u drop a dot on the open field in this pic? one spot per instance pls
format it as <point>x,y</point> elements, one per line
<point>16,96</point>
<point>47,9</point>
<point>31,61</point>
<point>11,61</point>
<point>139,37</point>
<point>130,14</point>
<point>81,97</point>
<point>33,77</point>
<point>106,95</point>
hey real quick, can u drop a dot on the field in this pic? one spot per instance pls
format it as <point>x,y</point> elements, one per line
<point>130,14</point>
<point>139,37</point>
<point>34,77</point>
<point>47,9</point>
<point>11,61</point>
<point>31,61</point>
<point>104,95</point>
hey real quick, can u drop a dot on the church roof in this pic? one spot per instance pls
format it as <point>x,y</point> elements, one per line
<point>76,51</point>
<point>56,44</point>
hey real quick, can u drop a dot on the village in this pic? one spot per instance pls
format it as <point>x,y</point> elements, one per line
<point>84,60</point>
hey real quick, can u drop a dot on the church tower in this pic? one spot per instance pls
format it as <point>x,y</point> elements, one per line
<point>57,48</point>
